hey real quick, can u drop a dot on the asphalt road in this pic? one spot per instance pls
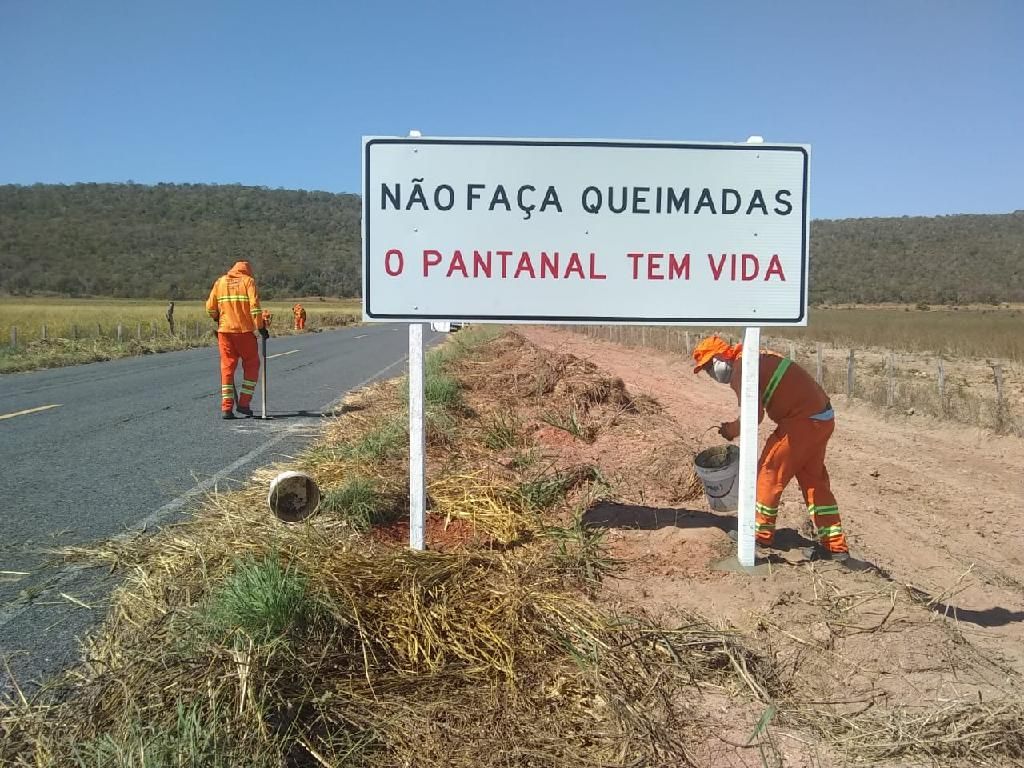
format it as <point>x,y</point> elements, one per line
<point>131,444</point>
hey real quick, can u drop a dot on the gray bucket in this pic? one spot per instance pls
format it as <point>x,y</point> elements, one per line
<point>718,470</point>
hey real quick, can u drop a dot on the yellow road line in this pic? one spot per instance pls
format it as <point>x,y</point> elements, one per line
<point>28,411</point>
<point>282,354</point>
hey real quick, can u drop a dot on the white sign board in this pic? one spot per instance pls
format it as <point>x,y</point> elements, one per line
<point>518,230</point>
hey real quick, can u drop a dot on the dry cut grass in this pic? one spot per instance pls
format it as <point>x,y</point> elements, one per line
<point>235,639</point>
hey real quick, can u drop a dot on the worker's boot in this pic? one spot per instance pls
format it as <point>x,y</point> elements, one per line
<point>227,415</point>
<point>818,552</point>
<point>247,412</point>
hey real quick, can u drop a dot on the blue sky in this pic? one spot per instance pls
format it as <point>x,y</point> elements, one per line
<point>912,107</point>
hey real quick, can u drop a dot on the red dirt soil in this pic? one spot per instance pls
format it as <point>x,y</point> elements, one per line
<point>937,509</point>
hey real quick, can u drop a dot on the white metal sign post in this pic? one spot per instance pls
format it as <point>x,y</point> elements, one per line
<point>417,440</point>
<point>617,232</point>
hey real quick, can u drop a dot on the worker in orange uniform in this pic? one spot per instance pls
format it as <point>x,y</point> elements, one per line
<point>267,317</point>
<point>804,423</point>
<point>234,304</point>
<point>300,317</point>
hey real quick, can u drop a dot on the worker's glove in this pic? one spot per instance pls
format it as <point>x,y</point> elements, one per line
<point>730,430</point>
<point>264,333</point>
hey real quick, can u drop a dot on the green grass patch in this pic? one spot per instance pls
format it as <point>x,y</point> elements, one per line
<point>262,599</point>
<point>383,441</point>
<point>579,552</point>
<point>503,430</point>
<point>360,503</point>
<point>195,738</point>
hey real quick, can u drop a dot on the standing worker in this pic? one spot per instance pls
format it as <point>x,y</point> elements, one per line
<point>267,317</point>
<point>804,423</point>
<point>169,314</point>
<point>234,305</point>
<point>300,317</point>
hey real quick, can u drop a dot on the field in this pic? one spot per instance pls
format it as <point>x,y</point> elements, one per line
<point>46,333</point>
<point>964,365</point>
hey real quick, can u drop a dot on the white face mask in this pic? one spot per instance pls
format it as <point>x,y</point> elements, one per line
<point>721,371</point>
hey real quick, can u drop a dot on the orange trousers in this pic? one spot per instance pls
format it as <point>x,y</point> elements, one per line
<point>234,347</point>
<point>797,449</point>
<point>300,323</point>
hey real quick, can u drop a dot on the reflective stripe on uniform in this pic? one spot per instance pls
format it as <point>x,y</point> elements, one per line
<point>233,297</point>
<point>829,510</point>
<point>766,511</point>
<point>830,530</point>
<point>773,382</point>
<point>248,387</point>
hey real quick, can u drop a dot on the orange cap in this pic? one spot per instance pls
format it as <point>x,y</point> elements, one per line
<point>708,348</point>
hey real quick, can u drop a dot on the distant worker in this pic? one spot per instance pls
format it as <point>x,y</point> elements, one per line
<point>234,304</point>
<point>300,317</point>
<point>804,423</point>
<point>169,314</point>
<point>267,317</point>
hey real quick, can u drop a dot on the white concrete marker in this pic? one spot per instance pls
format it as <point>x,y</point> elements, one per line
<point>417,442</point>
<point>748,446</point>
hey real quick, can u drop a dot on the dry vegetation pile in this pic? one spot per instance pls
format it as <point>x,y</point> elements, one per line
<point>517,639</point>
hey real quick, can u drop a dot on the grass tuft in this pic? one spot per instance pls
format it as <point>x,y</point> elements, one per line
<point>381,442</point>
<point>360,504</point>
<point>580,552</point>
<point>570,421</point>
<point>503,430</point>
<point>261,598</point>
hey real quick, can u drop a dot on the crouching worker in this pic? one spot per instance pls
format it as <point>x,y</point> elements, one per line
<point>804,423</point>
<point>234,305</point>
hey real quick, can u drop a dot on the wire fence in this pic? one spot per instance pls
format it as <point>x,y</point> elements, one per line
<point>982,393</point>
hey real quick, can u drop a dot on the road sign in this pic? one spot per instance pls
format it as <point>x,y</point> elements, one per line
<point>523,230</point>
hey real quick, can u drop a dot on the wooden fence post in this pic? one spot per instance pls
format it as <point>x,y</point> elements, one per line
<point>997,371</point>
<point>120,333</point>
<point>44,331</point>
<point>152,330</point>
<point>14,336</point>
<point>138,331</point>
<point>819,375</point>
<point>688,347</point>
<point>74,332</point>
<point>942,389</point>
<point>849,375</point>
<point>890,389</point>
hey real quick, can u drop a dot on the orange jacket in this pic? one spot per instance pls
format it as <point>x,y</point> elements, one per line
<point>234,302</point>
<point>796,395</point>
<point>267,317</point>
<point>299,311</point>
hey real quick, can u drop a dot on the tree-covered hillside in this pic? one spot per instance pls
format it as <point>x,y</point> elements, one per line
<point>172,240</point>
<point>941,260</point>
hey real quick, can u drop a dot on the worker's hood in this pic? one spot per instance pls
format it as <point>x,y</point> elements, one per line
<point>240,268</point>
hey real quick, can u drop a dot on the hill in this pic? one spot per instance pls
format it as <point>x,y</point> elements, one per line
<point>172,240</point>
<point>940,260</point>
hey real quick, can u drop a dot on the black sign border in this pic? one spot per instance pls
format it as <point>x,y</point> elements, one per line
<point>616,320</point>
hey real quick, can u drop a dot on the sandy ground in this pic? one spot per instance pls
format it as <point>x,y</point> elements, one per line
<point>933,611</point>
